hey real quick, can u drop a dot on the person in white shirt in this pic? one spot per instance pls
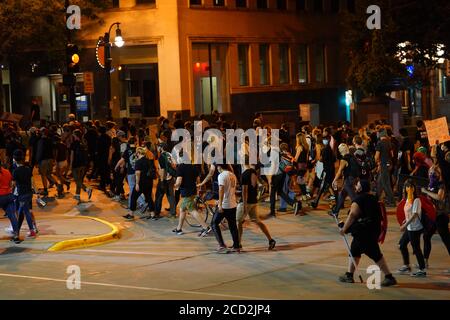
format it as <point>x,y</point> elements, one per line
<point>226,208</point>
<point>412,228</point>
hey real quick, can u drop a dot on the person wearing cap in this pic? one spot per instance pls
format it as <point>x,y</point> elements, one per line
<point>364,223</point>
<point>383,157</point>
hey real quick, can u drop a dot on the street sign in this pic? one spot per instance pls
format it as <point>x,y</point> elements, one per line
<point>88,82</point>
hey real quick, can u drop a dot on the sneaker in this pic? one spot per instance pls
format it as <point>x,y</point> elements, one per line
<point>331,198</point>
<point>236,250</point>
<point>68,185</point>
<point>222,250</point>
<point>9,230</point>
<point>172,216</point>
<point>387,282</point>
<point>272,244</point>
<point>272,215</point>
<point>129,217</point>
<point>297,207</point>
<point>155,217</point>
<point>205,232</point>
<point>89,192</point>
<point>419,274</point>
<point>282,210</point>
<point>333,214</point>
<point>178,232</point>
<point>347,278</point>
<point>16,240</point>
<point>116,198</point>
<point>31,234</point>
<point>404,269</point>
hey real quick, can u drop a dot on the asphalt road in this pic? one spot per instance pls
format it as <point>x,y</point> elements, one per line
<point>150,262</point>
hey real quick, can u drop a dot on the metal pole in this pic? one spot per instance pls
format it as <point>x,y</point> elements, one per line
<point>108,61</point>
<point>72,98</point>
<point>211,91</point>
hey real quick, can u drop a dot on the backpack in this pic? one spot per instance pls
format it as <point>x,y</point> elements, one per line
<point>312,149</point>
<point>365,164</point>
<point>170,165</point>
<point>286,166</point>
<point>133,159</point>
<point>428,217</point>
<point>353,169</point>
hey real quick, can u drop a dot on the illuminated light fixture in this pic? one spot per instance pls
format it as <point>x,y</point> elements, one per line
<point>100,53</point>
<point>118,40</point>
<point>75,58</point>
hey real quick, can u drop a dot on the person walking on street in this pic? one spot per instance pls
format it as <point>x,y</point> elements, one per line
<point>364,223</point>
<point>249,204</point>
<point>226,208</point>
<point>79,159</point>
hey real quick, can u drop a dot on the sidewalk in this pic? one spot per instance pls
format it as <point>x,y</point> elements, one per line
<point>60,220</point>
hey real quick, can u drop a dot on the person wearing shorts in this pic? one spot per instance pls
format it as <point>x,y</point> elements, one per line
<point>188,176</point>
<point>249,204</point>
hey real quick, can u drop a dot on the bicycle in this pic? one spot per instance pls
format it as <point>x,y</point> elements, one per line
<point>203,208</point>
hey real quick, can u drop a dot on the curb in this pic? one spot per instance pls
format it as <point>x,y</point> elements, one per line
<point>89,241</point>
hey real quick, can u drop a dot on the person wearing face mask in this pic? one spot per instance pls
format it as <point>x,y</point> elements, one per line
<point>364,223</point>
<point>349,168</point>
<point>437,192</point>
<point>412,228</point>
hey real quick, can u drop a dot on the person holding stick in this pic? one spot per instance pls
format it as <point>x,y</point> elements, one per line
<point>364,223</point>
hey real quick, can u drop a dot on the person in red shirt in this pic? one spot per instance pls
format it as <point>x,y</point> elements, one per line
<point>7,201</point>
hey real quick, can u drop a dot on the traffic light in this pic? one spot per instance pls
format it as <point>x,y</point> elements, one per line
<point>73,58</point>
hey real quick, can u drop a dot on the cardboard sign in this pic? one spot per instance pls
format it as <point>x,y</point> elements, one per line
<point>437,130</point>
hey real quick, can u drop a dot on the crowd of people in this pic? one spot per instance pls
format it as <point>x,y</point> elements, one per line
<point>317,163</point>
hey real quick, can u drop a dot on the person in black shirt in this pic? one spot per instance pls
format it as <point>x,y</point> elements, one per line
<point>102,155</point>
<point>79,160</point>
<point>383,157</point>
<point>45,157</point>
<point>364,223</point>
<point>91,137</point>
<point>62,165</point>
<point>249,204</point>
<point>23,181</point>
<point>144,183</point>
<point>421,136</point>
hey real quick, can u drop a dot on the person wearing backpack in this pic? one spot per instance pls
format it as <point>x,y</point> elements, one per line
<point>364,223</point>
<point>349,168</point>
<point>383,157</point>
<point>128,161</point>
<point>362,158</point>
<point>144,184</point>
<point>166,180</point>
<point>79,159</point>
<point>412,229</point>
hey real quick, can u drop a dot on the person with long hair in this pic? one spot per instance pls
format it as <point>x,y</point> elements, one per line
<point>301,158</point>
<point>412,229</point>
<point>437,192</point>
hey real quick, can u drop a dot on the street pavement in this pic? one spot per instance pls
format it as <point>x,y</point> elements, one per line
<point>151,262</point>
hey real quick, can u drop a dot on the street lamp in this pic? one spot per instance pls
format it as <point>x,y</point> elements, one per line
<point>118,42</point>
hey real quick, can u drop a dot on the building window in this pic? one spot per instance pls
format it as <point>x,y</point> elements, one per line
<point>115,3</point>
<point>282,4</point>
<point>241,3</point>
<point>195,2</point>
<point>351,6</point>
<point>219,3</point>
<point>320,63</point>
<point>243,50</point>
<point>264,64</point>
<point>145,2</point>
<point>443,84</point>
<point>302,64</point>
<point>318,5</point>
<point>284,63</point>
<point>300,5</point>
<point>262,4</point>
<point>335,6</point>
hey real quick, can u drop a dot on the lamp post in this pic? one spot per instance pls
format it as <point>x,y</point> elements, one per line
<point>118,41</point>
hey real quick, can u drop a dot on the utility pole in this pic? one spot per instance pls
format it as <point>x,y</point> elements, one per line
<point>70,79</point>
